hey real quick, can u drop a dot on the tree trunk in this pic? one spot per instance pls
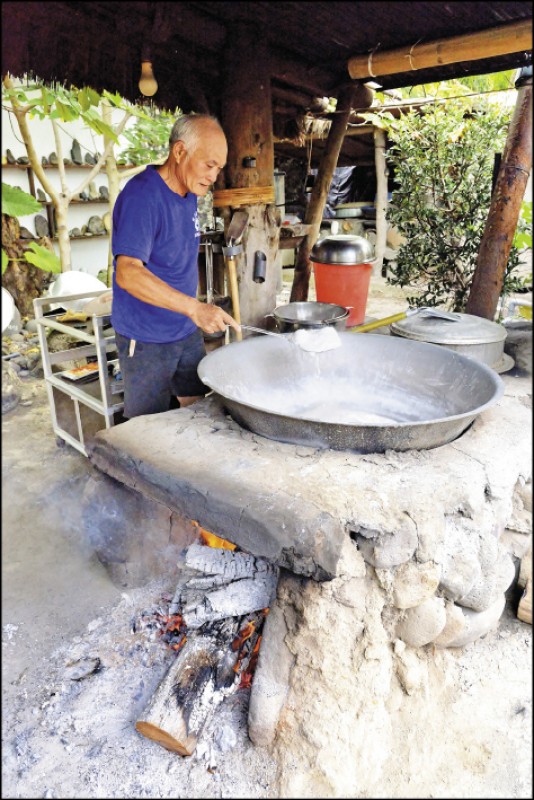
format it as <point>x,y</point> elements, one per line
<point>504,210</point>
<point>247,121</point>
<point>314,213</point>
<point>113,183</point>
<point>21,279</point>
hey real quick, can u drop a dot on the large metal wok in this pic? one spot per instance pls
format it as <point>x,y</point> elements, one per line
<point>371,394</point>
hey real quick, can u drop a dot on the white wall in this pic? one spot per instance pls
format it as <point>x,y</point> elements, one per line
<point>89,254</point>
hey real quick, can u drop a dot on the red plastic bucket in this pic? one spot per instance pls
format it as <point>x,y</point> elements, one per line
<point>345,285</point>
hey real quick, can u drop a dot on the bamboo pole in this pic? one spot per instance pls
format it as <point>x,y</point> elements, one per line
<point>502,40</point>
<point>504,211</point>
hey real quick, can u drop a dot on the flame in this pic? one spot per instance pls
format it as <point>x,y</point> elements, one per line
<point>244,634</point>
<point>211,540</point>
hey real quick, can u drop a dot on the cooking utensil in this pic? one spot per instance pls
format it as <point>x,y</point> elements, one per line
<point>233,248</point>
<point>262,330</point>
<point>372,394</point>
<point>470,335</point>
<point>342,249</point>
<point>208,252</point>
<point>309,314</point>
<point>423,311</point>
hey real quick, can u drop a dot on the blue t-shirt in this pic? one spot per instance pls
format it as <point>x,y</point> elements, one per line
<point>161,228</point>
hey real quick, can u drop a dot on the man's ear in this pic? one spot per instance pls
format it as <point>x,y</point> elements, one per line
<point>178,150</point>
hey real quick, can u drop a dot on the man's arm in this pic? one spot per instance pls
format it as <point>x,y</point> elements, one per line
<point>137,280</point>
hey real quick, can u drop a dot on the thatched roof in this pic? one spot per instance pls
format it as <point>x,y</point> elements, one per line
<point>101,44</point>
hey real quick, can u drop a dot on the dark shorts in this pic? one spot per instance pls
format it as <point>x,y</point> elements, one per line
<point>157,373</point>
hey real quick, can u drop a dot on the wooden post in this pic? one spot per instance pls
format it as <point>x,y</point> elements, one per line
<point>314,212</point>
<point>381,202</point>
<point>504,211</point>
<point>247,121</point>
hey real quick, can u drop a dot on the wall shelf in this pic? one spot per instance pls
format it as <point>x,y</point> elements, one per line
<point>67,166</point>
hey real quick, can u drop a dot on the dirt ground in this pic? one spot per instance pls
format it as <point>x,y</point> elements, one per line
<point>67,736</point>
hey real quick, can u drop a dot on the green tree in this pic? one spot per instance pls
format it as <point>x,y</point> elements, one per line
<point>61,104</point>
<point>443,160</point>
<point>16,203</point>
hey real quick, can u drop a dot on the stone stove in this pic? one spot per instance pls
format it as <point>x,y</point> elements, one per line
<point>430,533</point>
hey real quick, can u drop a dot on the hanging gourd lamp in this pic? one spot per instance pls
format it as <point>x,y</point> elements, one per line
<point>148,85</point>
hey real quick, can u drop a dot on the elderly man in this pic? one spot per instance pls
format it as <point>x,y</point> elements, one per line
<point>156,233</point>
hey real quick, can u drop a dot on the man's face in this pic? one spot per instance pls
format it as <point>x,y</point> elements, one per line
<point>198,169</point>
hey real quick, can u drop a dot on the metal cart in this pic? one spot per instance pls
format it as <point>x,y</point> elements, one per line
<point>79,410</point>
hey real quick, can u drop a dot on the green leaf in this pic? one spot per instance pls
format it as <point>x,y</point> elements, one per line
<point>5,261</point>
<point>44,100</point>
<point>42,258</point>
<point>83,100</point>
<point>17,203</point>
<point>115,99</point>
<point>93,96</point>
<point>66,112</point>
<point>98,125</point>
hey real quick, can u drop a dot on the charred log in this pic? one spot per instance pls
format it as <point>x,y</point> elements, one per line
<point>210,667</point>
<point>218,583</point>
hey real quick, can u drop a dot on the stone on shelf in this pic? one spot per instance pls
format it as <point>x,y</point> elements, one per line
<point>67,162</point>
<point>52,158</point>
<point>95,225</point>
<point>90,159</point>
<point>24,233</point>
<point>93,193</point>
<point>41,196</point>
<point>10,157</point>
<point>41,226</point>
<point>104,193</point>
<point>44,161</point>
<point>74,232</point>
<point>23,160</point>
<point>76,152</point>
<point>84,195</point>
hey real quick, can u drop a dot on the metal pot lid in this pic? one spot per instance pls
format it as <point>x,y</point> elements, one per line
<point>310,312</point>
<point>342,249</point>
<point>468,329</point>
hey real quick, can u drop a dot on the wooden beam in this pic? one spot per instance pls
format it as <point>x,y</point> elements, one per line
<point>502,40</point>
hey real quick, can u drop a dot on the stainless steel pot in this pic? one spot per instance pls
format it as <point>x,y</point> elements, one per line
<point>469,335</point>
<point>310,314</point>
<point>342,249</point>
<point>373,393</point>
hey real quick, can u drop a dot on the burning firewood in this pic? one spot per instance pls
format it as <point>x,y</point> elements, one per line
<point>215,663</point>
<point>218,583</point>
<point>214,624</point>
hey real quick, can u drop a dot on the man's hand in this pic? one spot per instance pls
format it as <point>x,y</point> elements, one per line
<point>211,318</point>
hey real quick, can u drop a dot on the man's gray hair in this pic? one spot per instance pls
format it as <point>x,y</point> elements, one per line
<point>188,129</point>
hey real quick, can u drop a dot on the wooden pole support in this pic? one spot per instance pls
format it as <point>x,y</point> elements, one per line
<point>234,293</point>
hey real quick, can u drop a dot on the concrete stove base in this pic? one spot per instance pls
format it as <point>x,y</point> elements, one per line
<point>437,513</point>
